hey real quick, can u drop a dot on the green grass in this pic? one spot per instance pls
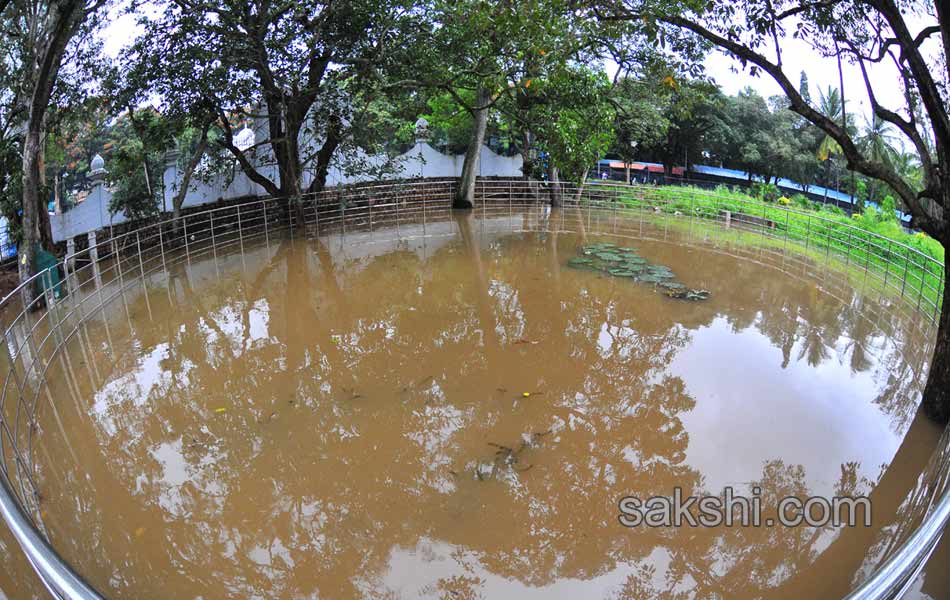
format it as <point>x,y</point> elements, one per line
<point>868,243</point>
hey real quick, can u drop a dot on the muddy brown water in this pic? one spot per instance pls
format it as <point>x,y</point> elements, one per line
<point>327,418</point>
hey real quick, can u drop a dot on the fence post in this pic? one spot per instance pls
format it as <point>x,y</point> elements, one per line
<point>939,300</point>
<point>904,276</point>
<point>887,264</point>
<point>70,252</point>
<point>920,287</point>
<point>828,247</point>
<point>138,248</point>
<point>94,257</point>
<point>214,245</point>
<point>847,263</point>
<point>240,230</point>
<point>266,236</point>
<point>184,225</point>
<point>161,247</point>
<point>807,233</point>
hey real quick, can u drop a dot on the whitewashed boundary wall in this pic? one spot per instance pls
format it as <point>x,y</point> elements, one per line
<point>421,161</point>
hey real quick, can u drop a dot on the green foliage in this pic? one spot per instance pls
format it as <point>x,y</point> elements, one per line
<point>767,192</point>
<point>450,123</point>
<point>889,209</point>
<point>830,208</point>
<point>576,127</point>
<point>135,171</point>
<point>801,201</point>
<point>642,116</point>
<point>864,237</point>
<point>11,185</point>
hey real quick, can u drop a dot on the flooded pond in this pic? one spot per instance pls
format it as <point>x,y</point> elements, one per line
<point>458,415</point>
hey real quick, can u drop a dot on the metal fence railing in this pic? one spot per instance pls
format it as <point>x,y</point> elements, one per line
<point>42,315</point>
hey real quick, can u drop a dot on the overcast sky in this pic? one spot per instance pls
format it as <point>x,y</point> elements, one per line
<point>796,54</point>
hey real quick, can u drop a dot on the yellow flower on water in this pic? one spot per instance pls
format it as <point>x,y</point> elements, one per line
<point>220,410</point>
<point>526,394</point>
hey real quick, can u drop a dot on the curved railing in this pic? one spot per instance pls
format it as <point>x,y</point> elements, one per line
<point>37,326</point>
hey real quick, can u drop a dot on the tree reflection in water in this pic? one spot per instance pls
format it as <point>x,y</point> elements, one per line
<point>310,425</point>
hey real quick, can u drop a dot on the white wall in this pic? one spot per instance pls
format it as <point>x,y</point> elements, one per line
<point>422,160</point>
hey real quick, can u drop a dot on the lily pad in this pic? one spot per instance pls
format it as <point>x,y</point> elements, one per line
<point>618,261</point>
<point>580,261</point>
<point>595,248</point>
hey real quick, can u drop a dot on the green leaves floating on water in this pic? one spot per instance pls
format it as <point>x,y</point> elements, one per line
<point>580,262</point>
<point>626,262</point>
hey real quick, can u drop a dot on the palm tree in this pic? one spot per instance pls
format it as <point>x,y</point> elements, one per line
<point>878,144</point>
<point>907,165</point>
<point>831,105</point>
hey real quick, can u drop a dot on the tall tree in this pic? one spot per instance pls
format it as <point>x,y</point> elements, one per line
<point>289,68</point>
<point>42,32</point>
<point>803,87</point>
<point>640,119</point>
<point>495,56</point>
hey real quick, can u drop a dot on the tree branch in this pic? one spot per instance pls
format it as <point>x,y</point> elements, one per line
<point>246,166</point>
<point>906,126</point>
<point>856,161</point>
<point>910,53</point>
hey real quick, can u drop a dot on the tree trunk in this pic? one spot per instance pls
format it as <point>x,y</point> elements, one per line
<point>465,194</point>
<point>179,199</point>
<point>527,162</point>
<point>936,400</point>
<point>324,156</point>
<point>580,185</point>
<point>45,227</point>
<point>555,184</point>
<point>57,197</point>
<point>626,169</point>
<point>30,233</point>
<point>289,168</point>
<point>64,19</point>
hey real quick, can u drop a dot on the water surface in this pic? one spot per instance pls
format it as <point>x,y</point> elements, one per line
<point>457,416</point>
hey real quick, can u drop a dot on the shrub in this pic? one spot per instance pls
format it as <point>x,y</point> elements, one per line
<point>888,209</point>
<point>832,209</point>
<point>767,192</point>
<point>800,201</point>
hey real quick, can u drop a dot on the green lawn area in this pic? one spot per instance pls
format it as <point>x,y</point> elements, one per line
<point>872,244</point>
